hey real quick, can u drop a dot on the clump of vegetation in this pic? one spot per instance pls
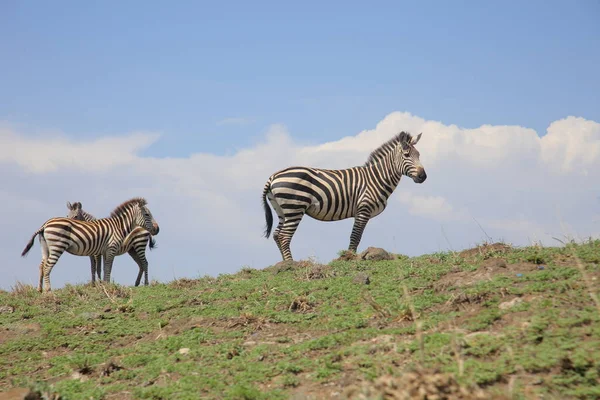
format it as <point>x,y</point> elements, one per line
<point>491,322</point>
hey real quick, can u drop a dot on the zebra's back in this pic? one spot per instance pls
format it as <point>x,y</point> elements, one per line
<point>326,194</point>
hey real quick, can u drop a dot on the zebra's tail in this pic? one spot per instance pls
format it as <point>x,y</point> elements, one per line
<point>30,244</point>
<point>268,214</point>
<point>152,243</point>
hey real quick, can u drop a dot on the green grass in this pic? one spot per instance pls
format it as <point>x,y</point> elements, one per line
<point>267,334</point>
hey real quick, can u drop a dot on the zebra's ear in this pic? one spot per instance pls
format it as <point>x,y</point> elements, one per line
<point>416,139</point>
<point>69,205</point>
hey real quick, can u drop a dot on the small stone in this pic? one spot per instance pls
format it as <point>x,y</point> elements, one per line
<point>184,350</point>
<point>510,304</point>
<point>375,254</point>
<point>7,309</point>
<point>90,315</point>
<point>107,309</point>
<point>362,279</point>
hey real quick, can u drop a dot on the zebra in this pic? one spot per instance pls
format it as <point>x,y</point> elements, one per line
<point>135,245</point>
<point>105,236</point>
<point>360,192</point>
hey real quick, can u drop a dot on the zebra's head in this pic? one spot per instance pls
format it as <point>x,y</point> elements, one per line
<point>135,212</point>
<point>145,219</point>
<point>408,158</point>
<point>75,211</point>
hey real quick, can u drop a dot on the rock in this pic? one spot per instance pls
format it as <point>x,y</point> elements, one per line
<point>510,304</point>
<point>375,254</point>
<point>361,279</point>
<point>184,350</point>
<point>90,315</point>
<point>7,309</point>
<point>283,266</point>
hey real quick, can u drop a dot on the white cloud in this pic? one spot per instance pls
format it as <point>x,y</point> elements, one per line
<point>514,182</point>
<point>48,154</point>
<point>238,121</point>
<point>433,207</point>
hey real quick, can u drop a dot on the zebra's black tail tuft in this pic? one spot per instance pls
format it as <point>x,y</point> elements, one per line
<point>268,214</point>
<point>30,244</point>
<point>152,243</point>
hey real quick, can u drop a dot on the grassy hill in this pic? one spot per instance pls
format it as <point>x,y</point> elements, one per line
<point>490,322</point>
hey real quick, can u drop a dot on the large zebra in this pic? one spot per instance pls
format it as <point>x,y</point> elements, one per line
<point>134,244</point>
<point>332,195</point>
<point>104,236</point>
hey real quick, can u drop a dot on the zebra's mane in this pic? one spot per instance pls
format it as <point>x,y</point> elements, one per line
<point>384,149</point>
<point>136,201</point>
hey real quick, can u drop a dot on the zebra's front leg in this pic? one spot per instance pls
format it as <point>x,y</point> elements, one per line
<point>98,259</point>
<point>109,257</point>
<point>360,222</point>
<point>93,267</point>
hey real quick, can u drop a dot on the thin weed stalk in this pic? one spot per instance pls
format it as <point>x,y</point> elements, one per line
<point>418,326</point>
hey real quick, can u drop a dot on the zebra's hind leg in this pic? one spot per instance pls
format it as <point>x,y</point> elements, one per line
<point>360,222</point>
<point>44,249</point>
<point>49,264</point>
<point>285,232</point>
<point>142,262</point>
<point>41,280</point>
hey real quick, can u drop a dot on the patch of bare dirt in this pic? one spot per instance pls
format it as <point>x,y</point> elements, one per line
<point>184,283</point>
<point>485,250</point>
<point>319,271</point>
<point>347,255</point>
<point>488,269</point>
<point>175,327</point>
<point>416,385</point>
<point>301,304</point>
<point>12,331</point>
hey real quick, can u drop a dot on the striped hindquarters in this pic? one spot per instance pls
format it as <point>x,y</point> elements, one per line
<point>136,240</point>
<point>80,238</point>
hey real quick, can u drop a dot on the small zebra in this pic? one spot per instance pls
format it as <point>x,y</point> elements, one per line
<point>104,236</point>
<point>360,192</point>
<point>135,245</point>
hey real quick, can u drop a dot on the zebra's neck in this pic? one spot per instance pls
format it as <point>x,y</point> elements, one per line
<point>385,171</point>
<point>87,217</point>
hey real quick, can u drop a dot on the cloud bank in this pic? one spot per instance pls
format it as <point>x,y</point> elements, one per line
<point>516,184</point>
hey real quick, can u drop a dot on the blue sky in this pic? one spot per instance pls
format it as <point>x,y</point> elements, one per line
<point>259,86</point>
<point>324,69</point>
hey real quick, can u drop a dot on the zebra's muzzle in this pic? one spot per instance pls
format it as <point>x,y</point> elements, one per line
<point>420,177</point>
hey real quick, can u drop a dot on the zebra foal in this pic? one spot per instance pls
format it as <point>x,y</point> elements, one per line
<point>134,244</point>
<point>104,236</point>
<point>360,192</point>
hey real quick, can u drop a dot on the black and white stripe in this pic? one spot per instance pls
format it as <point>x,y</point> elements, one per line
<point>134,244</point>
<point>331,195</point>
<point>105,236</point>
